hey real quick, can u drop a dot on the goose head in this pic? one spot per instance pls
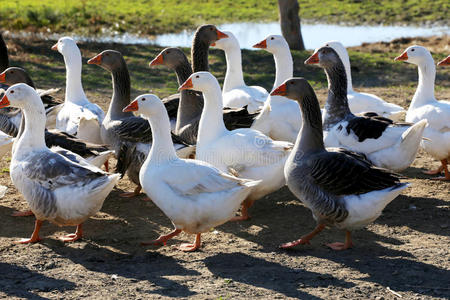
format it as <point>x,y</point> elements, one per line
<point>20,95</point>
<point>209,34</point>
<point>200,81</point>
<point>227,43</point>
<point>273,43</point>
<point>147,105</point>
<point>108,60</point>
<point>15,75</point>
<point>444,62</point>
<point>326,57</point>
<point>295,89</point>
<point>170,57</point>
<point>415,55</point>
<point>67,47</point>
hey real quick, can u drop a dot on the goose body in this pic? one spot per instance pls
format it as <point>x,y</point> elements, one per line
<point>245,152</point>
<point>129,136</point>
<point>364,102</point>
<point>280,118</point>
<point>193,194</point>
<point>191,102</point>
<point>78,116</point>
<point>6,143</point>
<point>425,106</point>
<point>385,143</point>
<point>340,187</point>
<point>235,92</point>
<point>56,188</point>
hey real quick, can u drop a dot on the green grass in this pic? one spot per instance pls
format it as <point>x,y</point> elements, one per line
<point>158,16</point>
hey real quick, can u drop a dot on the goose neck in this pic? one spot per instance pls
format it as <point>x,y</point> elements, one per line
<point>284,66</point>
<point>121,92</point>
<point>233,77</point>
<point>4,59</point>
<point>33,133</point>
<point>74,88</point>
<point>425,89</point>
<point>200,55</point>
<point>336,106</point>
<point>211,120</point>
<point>162,147</point>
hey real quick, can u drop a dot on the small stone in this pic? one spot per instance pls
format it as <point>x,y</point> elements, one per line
<point>114,277</point>
<point>412,207</point>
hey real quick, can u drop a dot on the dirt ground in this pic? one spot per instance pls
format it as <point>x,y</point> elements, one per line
<point>403,254</point>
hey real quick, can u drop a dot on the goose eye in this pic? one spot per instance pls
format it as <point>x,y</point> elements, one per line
<point>211,28</point>
<point>143,99</point>
<point>272,38</point>
<point>412,50</point>
<point>291,82</point>
<point>12,72</point>
<point>197,76</point>
<point>12,92</point>
<point>168,52</point>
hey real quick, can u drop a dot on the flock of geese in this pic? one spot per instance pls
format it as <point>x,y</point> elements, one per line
<point>247,142</point>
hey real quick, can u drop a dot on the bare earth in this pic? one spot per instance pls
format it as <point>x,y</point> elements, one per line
<point>405,253</point>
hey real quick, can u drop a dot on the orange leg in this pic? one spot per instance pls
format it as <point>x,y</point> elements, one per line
<point>191,247</point>
<point>162,240</point>
<point>304,239</point>
<point>34,236</point>
<point>444,166</point>
<point>244,211</point>
<point>136,192</point>
<point>73,236</point>
<point>435,171</point>
<point>106,165</point>
<point>23,213</point>
<point>342,246</point>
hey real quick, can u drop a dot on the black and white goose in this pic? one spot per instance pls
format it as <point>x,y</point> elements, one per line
<point>340,187</point>
<point>385,143</point>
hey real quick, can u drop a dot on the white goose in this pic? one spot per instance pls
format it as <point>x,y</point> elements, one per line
<point>78,116</point>
<point>193,194</point>
<point>57,189</point>
<point>425,106</point>
<point>235,92</point>
<point>385,143</point>
<point>280,117</point>
<point>245,152</point>
<point>364,102</point>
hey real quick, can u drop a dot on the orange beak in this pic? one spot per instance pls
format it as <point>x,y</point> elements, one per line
<point>159,60</point>
<point>220,34</point>
<point>313,59</point>
<point>3,77</point>
<point>4,102</point>
<point>261,45</point>
<point>96,60</point>
<point>444,62</point>
<point>279,91</point>
<point>402,57</point>
<point>186,85</point>
<point>133,106</point>
<point>55,47</point>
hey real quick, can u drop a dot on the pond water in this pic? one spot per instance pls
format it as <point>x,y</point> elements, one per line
<point>248,34</point>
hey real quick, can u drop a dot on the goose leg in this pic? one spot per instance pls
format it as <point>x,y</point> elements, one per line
<point>162,240</point>
<point>434,172</point>
<point>342,246</point>
<point>73,236</point>
<point>444,166</point>
<point>244,211</point>
<point>304,239</point>
<point>34,236</point>
<point>22,213</point>
<point>191,247</point>
<point>106,164</point>
<point>136,192</point>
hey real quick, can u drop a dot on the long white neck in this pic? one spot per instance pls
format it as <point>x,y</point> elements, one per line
<point>33,136</point>
<point>284,66</point>
<point>74,88</point>
<point>233,77</point>
<point>162,147</point>
<point>211,121</point>
<point>425,90</point>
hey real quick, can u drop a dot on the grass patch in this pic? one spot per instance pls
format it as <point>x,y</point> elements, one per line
<point>154,17</point>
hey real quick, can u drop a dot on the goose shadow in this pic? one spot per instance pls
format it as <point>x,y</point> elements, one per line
<point>151,267</point>
<point>269,275</point>
<point>20,282</point>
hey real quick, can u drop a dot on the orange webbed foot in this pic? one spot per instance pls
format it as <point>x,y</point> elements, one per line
<point>68,238</point>
<point>295,243</point>
<point>188,247</point>
<point>434,172</point>
<point>28,241</point>
<point>162,240</point>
